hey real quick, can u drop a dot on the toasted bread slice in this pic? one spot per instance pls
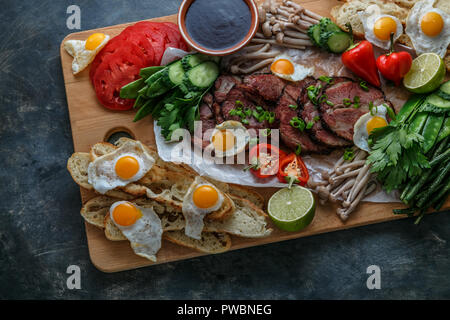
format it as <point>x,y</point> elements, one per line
<point>211,242</point>
<point>247,193</point>
<point>248,221</point>
<point>100,149</point>
<point>96,209</point>
<point>77,165</point>
<point>348,12</point>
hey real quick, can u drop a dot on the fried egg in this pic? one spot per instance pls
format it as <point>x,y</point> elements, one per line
<point>84,51</point>
<point>141,226</point>
<point>378,27</point>
<point>229,138</point>
<point>126,164</point>
<point>201,198</point>
<point>428,28</point>
<point>284,68</point>
<point>376,118</point>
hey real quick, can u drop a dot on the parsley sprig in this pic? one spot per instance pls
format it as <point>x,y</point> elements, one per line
<point>396,154</point>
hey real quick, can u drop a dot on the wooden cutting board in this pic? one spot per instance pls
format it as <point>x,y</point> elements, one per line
<point>91,123</point>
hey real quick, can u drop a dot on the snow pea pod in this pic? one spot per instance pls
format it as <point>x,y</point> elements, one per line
<point>418,122</point>
<point>130,91</point>
<point>431,130</point>
<point>445,130</point>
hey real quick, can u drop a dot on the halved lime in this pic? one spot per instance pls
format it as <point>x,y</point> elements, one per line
<point>292,209</point>
<point>426,73</point>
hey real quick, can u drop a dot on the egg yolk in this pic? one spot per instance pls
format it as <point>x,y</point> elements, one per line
<point>205,197</point>
<point>432,24</point>
<point>282,66</point>
<point>223,140</point>
<point>126,167</point>
<point>125,214</point>
<point>383,27</point>
<point>94,41</point>
<point>375,122</point>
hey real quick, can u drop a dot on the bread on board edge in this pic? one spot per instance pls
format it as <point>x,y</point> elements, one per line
<point>211,242</point>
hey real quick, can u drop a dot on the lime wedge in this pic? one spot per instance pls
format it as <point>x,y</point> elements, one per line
<point>426,73</point>
<point>292,209</point>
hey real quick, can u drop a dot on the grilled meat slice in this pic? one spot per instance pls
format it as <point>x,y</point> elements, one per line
<point>341,116</point>
<point>292,137</point>
<point>310,114</point>
<point>208,121</point>
<point>231,102</point>
<point>223,85</point>
<point>268,86</point>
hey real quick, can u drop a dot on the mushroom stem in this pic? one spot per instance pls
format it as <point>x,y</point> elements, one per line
<point>237,70</point>
<point>273,41</point>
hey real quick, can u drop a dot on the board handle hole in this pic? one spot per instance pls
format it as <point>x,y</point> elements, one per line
<point>116,133</point>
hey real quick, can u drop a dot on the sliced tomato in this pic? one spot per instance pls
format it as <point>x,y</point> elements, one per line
<point>119,62</point>
<point>119,69</point>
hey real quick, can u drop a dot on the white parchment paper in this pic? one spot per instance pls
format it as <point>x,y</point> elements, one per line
<point>324,64</point>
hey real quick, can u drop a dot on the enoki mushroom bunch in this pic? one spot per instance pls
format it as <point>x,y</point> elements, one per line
<point>285,24</point>
<point>351,181</point>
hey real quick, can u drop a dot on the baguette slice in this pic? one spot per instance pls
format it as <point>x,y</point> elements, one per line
<point>348,12</point>
<point>211,242</point>
<point>77,165</point>
<point>248,221</point>
<point>247,193</point>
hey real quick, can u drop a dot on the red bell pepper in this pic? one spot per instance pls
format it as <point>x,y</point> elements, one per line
<point>360,59</point>
<point>394,65</point>
<point>292,170</point>
<point>264,160</point>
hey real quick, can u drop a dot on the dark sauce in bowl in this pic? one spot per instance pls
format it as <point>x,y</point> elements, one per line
<point>218,24</point>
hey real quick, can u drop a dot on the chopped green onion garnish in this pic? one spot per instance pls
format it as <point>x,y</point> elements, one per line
<point>364,86</point>
<point>347,101</point>
<point>293,106</point>
<point>298,149</point>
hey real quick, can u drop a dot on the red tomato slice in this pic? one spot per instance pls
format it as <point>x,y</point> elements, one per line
<point>119,69</point>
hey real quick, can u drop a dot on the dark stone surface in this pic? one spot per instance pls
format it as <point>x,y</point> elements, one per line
<point>41,232</point>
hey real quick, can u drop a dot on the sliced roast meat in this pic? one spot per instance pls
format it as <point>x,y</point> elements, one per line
<point>208,121</point>
<point>340,114</point>
<point>293,137</point>
<point>223,85</point>
<point>268,86</point>
<point>236,98</point>
<point>310,114</point>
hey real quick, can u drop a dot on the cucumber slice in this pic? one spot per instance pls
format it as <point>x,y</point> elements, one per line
<point>314,34</point>
<point>336,42</point>
<point>192,60</point>
<point>444,90</point>
<point>436,104</point>
<point>174,74</point>
<point>201,76</point>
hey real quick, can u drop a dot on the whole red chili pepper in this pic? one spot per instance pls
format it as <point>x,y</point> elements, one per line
<point>360,59</point>
<point>394,65</point>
